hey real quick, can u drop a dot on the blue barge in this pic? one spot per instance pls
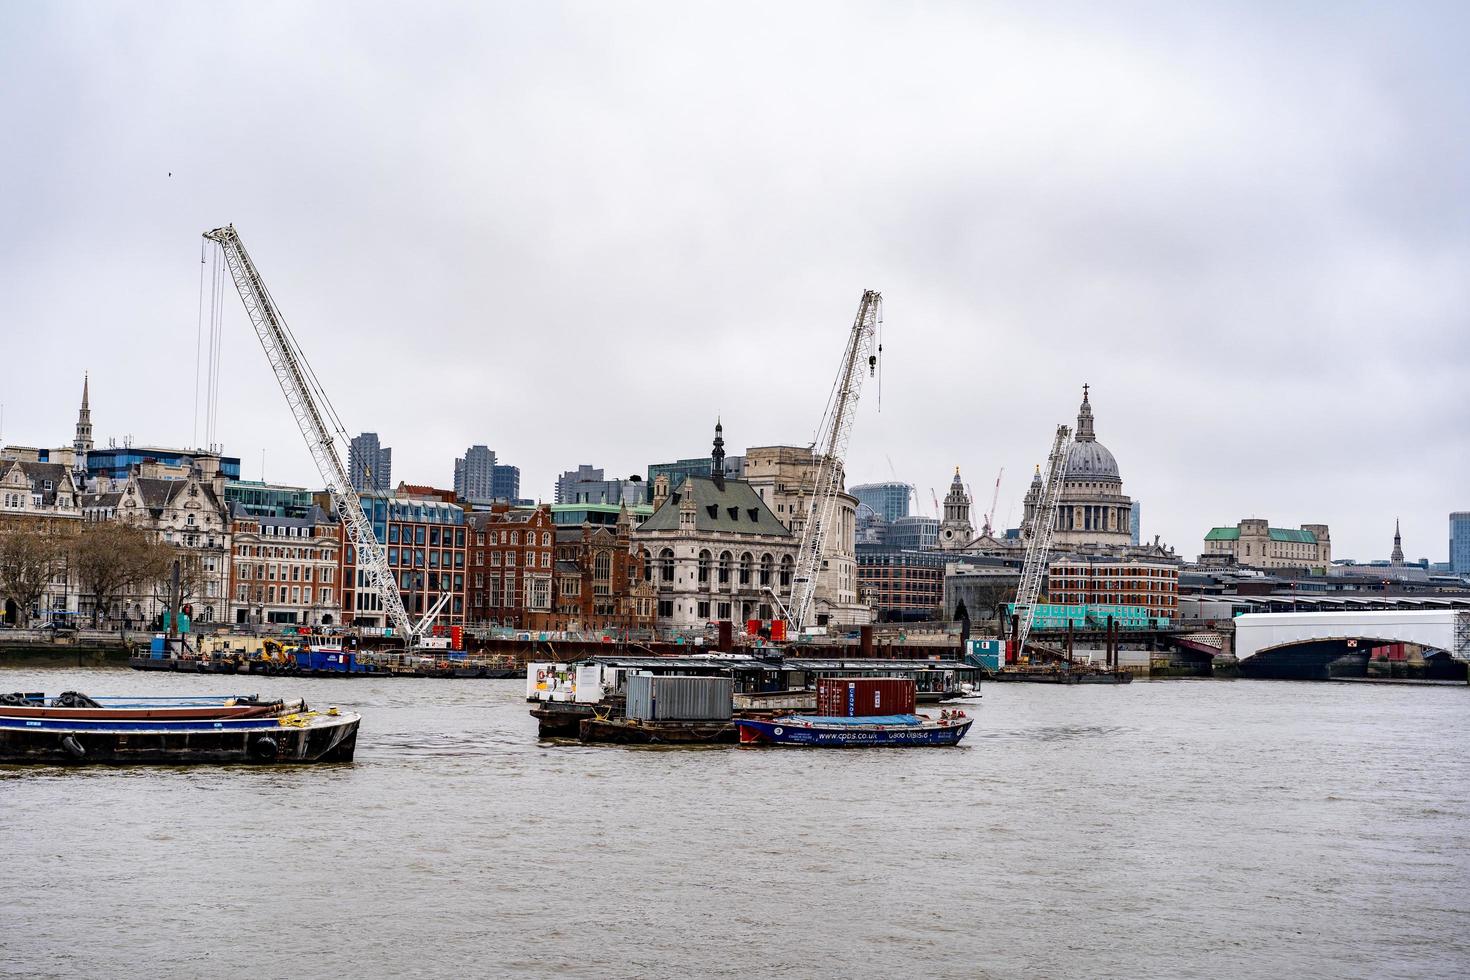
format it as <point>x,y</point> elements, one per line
<point>824,731</point>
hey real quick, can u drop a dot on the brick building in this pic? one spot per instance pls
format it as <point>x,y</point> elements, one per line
<point>512,555</point>
<point>285,570</point>
<point>1103,581</point>
<point>901,586</point>
<point>599,579</point>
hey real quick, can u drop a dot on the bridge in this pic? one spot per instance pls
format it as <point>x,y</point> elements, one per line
<point>1316,645</point>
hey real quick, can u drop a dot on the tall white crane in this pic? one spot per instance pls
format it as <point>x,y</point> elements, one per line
<point>1038,542</point>
<point>299,385</point>
<point>830,449</point>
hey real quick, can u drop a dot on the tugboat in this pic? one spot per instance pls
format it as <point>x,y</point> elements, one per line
<point>75,729</point>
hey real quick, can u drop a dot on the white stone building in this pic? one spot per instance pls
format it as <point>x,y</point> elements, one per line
<point>783,477</point>
<point>714,551</point>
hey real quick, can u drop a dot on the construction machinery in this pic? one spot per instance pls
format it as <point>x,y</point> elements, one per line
<point>989,528</point>
<point>1038,534</point>
<point>312,410</point>
<point>829,449</point>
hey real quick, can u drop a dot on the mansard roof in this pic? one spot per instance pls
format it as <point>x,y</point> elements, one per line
<point>731,508</point>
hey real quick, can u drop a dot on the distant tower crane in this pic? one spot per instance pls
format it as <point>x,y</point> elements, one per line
<point>994,502</point>
<point>831,448</point>
<point>1038,541</point>
<point>302,390</point>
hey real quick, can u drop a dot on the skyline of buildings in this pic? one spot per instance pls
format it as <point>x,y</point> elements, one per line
<point>113,463</point>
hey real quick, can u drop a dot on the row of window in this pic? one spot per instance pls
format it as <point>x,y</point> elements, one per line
<point>18,500</point>
<point>294,554</point>
<point>536,590</point>
<point>272,573</point>
<point>296,596</point>
<point>514,537</point>
<point>509,559</point>
<point>431,536</point>
<point>415,558</point>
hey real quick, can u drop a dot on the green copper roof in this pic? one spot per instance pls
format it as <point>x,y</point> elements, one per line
<point>1276,534</point>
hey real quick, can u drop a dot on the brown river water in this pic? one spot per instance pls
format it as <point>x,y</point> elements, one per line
<point>1168,829</point>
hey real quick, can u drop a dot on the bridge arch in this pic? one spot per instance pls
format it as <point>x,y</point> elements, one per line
<point>1318,645</point>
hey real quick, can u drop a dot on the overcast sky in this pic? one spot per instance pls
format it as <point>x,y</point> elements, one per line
<point>577,233</point>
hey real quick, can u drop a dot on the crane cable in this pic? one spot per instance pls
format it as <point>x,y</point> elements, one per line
<point>198,343</point>
<point>329,411</point>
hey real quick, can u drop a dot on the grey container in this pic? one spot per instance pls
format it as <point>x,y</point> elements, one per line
<point>672,698</point>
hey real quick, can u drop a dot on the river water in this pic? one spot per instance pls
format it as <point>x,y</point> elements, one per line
<point>1168,829</point>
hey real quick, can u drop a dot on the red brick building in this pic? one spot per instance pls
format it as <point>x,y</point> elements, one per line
<point>599,579</point>
<point>512,556</point>
<point>1112,581</point>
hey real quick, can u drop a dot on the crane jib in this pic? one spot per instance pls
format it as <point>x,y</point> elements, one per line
<point>830,448</point>
<point>291,369</point>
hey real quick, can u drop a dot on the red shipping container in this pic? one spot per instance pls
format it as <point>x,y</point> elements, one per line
<point>752,627</point>
<point>863,697</point>
<point>778,630</point>
<point>456,637</point>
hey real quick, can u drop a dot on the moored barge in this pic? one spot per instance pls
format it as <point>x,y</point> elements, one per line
<point>838,731</point>
<point>153,731</point>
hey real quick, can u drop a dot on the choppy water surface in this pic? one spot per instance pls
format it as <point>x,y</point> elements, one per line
<point>1171,829</point>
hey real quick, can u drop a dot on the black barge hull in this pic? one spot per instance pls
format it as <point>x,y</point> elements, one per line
<point>272,746</point>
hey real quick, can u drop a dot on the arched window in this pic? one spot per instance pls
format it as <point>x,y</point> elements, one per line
<point>767,564</point>
<point>602,565</point>
<point>647,560</point>
<point>726,560</point>
<point>666,565</point>
<point>546,539</point>
<point>786,566</point>
<point>746,564</point>
<point>704,563</point>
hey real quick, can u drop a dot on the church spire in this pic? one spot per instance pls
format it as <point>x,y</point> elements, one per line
<point>1397,558</point>
<point>1084,419</point>
<point>83,441</point>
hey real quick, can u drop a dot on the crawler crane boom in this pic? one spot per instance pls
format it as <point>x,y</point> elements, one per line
<point>297,384</point>
<point>830,449</point>
<point>1038,540</point>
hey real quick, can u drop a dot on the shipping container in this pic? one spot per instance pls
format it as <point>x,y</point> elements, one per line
<point>675,698</point>
<point>987,653</point>
<point>862,697</point>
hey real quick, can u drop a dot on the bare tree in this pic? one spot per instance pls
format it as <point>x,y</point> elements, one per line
<point>991,597</point>
<point>112,559</point>
<point>28,561</point>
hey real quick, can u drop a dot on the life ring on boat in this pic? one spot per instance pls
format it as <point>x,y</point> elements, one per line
<point>263,748</point>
